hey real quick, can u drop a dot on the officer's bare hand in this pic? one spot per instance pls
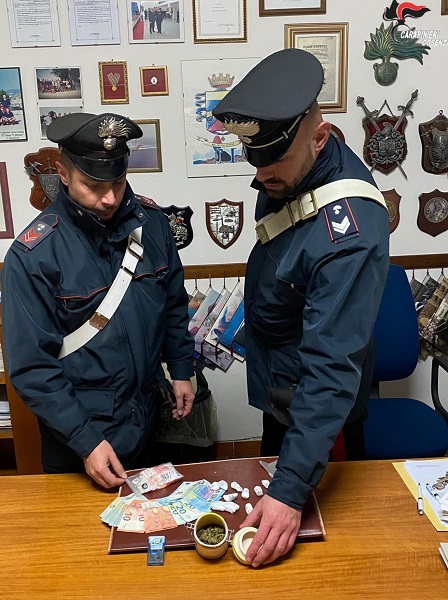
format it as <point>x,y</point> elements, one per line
<point>104,467</point>
<point>183,391</point>
<point>278,525</point>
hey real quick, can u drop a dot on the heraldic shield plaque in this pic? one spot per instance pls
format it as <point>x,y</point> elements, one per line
<point>41,169</point>
<point>179,219</point>
<point>393,208</point>
<point>434,137</point>
<point>224,220</point>
<point>433,214</point>
<point>385,146</point>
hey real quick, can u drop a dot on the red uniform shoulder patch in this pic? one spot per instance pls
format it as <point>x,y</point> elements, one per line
<point>38,231</point>
<point>149,202</point>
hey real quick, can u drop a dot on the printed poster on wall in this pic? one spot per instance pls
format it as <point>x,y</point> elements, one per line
<point>211,151</point>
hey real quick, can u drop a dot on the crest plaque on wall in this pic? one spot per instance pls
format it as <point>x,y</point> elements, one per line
<point>41,169</point>
<point>434,137</point>
<point>224,220</point>
<point>179,219</point>
<point>385,146</point>
<point>433,214</point>
<point>393,208</point>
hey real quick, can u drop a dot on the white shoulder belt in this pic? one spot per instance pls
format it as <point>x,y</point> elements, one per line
<point>308,205</point>
<point>110,303</point>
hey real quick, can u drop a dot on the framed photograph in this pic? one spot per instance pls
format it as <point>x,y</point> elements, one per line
<point>56,83</point>
<point>272,8</point>
<point>444,7</point>
<point>151,22</point>
<point>328,43</point>
<point>6,226</point>
<point>154,81</point>
<point>114,82</point>
<point>12,115</point>
<point>47,114</point>
<point>211,151</point>
<point>219,21</point>
<point>146,152</point>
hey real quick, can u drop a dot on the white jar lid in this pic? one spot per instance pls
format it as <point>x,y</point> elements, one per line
<point>241,542</point>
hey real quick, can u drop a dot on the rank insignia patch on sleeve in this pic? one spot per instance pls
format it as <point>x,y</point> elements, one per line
<point>340,220</point>
<point>37,232</point>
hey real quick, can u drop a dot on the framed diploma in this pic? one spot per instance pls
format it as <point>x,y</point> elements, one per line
<point>271,8</point>
<point>113,82</point>
<point>6,227</point>
<point>219,21</point>
<point>328,43</point>
<point>154,81</point>
<point>145,153</point>
<point>444,7</point>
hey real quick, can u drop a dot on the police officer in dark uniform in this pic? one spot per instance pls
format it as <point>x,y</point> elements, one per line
<point>314,282</point>
<point>93,297</point>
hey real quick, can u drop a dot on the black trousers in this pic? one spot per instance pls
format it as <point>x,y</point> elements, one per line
<point>274,432</point>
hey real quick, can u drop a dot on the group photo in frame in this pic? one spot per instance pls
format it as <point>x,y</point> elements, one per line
<point>6,226</point>
<point>146,153</point>
<point>218,21</point>
<point>113,82</point>
<point>12,114</point>
<point>154,22</point>
<point>328,43</point>
<point>271,8</point>
<point>444,7</point>
<point>154,81</point>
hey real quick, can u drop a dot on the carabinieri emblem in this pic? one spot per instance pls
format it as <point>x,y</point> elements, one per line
<point>385,146</point>
<point>224,220</point>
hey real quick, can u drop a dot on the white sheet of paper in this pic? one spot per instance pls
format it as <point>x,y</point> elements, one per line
<point>428,471</point>
<point>33,23</point>
<point>93,22</point>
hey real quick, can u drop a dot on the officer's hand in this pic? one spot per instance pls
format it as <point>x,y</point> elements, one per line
<point>277,530</point>
<point>104,467</point>
<point>183,391</point>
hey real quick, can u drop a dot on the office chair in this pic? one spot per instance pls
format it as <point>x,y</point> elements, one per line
<point>401,427</point>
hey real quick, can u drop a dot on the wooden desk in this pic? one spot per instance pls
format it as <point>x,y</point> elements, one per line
<point>54,546</point>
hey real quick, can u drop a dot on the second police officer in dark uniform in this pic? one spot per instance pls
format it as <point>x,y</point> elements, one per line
<point>87,370</point>
<point>314,282</point>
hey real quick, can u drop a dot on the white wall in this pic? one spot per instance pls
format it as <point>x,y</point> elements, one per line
<point>265,35</point>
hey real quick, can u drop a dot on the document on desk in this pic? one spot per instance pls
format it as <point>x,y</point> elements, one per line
<point>435,473</point>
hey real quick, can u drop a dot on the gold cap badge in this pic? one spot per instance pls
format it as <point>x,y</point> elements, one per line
<point>243,130</point>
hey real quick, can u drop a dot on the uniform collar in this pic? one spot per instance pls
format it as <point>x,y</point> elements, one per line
<point>324,170</point>
<point>89,222</point>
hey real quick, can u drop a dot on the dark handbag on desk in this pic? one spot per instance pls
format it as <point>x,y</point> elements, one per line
<point>279,402</point>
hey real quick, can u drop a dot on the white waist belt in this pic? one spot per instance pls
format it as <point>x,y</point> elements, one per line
<point>308,205</point>
<point>104,312</point>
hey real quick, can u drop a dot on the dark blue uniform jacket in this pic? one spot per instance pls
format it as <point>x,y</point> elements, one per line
<point>311,300</point>
<point>103,390</point>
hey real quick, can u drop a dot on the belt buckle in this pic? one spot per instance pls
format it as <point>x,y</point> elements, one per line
<point>98,321</point>
<point>315,210</point>
<point>136,252</point>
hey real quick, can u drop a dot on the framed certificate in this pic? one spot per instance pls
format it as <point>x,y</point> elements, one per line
<point>113,82</point>
<point>219,21</point>
<point>328,43</point>
<point>271,8</point>
<point>154,81</point>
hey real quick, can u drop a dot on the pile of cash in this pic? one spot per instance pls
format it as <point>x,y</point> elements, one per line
<point>135,513</point>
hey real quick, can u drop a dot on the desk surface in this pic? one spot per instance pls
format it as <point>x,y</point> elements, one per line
<point>54,546</point>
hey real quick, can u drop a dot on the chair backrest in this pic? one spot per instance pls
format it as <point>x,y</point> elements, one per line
<point>396,338</point>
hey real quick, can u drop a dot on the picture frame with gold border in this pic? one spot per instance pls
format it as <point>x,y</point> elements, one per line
<point>113,82</point>
<point>146,152</point>
<point>228,24</point>
<point>329,43</point>
<point>154,81</point>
